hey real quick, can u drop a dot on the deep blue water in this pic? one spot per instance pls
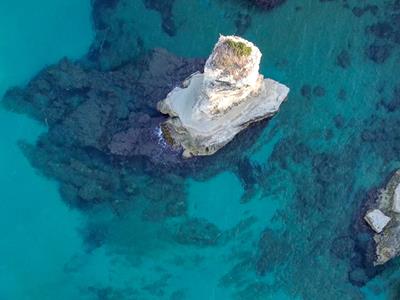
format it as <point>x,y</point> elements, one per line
<point>315,159</point>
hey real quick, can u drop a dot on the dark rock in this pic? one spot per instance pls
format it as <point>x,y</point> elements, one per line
<point>393,103</point>
<point>342,95</point>
<point>246,172</point>
<point>339,121</point>
<point>114,43</point>
<point>167,197</point>
<point>94,236</point>
<point>302,152</point>
<point>268,4</point>
<point>343,59</point>
<point>372,8</point>
<point>378,53</point>
<point>97,118</point>
<point>273,249</point>
<point>99,8</point>
<point>288,149</point>
<point>381,29</point>
<point>306,91</point>
<point>69,193</point>
<point>358,277</point>
<point>164,7</point>
<point>176,208</point>
<point>324,165</point>
<point>386,31</point>
<point>318,91</point>
<point>342,247</point>
<point>198,232</point>
<point>242,23</point>
<point>359,11</point>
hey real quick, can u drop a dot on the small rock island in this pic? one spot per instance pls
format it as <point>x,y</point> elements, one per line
<point>384,219</point>
<point>210,108</point>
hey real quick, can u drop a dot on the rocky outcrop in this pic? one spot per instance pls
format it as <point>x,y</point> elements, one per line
<point>384,219</point>
<point>377,220</point>
<point>212,107</point>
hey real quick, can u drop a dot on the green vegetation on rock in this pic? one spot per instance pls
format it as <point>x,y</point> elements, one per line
<point>240,48</point>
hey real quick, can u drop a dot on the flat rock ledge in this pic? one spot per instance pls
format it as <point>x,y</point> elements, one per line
<point>210,108</point>
<point>384,219</point>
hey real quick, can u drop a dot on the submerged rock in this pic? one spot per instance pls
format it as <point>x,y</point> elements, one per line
<point>268,4</point>
<point>198,232</point>
<point>378,53</point>
<point>164,7</point>
<point>212,107</point>
<point>102,128</point>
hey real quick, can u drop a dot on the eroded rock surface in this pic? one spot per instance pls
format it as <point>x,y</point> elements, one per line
<point>212,107</point>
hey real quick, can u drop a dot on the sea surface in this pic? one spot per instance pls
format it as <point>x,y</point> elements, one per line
<point>335,138</point>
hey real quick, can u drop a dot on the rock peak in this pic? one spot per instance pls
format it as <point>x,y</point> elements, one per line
<point>233,60</point>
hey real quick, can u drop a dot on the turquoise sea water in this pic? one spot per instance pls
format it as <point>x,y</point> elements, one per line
<point>42,249</point>
<point>39,233</point>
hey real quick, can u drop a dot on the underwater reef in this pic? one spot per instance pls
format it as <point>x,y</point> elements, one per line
<point>320,161</point>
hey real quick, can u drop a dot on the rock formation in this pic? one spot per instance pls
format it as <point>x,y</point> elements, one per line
<point>212,107</point>
<point>377,220</point>
<point>385,221</point>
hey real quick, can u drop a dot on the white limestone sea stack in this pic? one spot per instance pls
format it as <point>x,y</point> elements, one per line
<point>212,107</point>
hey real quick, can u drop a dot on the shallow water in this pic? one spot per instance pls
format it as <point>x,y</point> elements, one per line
<point>312,165</point>
<point>39,233</point>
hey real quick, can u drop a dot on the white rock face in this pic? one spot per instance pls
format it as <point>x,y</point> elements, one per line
<point>396,200</point>
<point>212,107</point>
<point>377,220</point>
